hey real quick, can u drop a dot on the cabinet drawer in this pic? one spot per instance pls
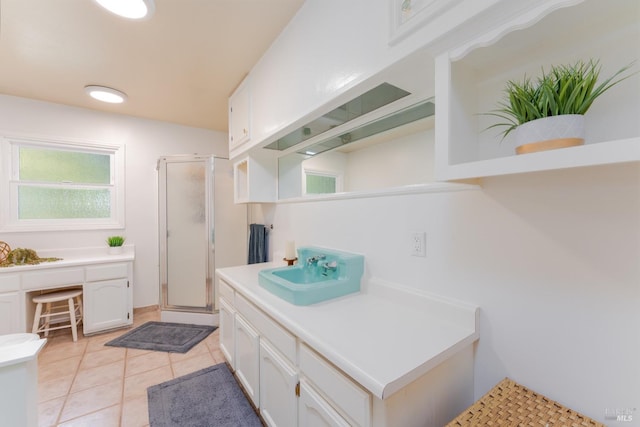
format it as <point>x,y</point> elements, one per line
<point>107,272</point>
<point>279,337</point>
<point>345,394</point>
<point>313,406</point>
<point>52,277</point>
<point>9,282</point>
<point>226,291</point>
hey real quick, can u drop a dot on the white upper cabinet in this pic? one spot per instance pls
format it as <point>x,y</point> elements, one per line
<point>240,116</point>
<point>471,77</point>
<point>323,58</point>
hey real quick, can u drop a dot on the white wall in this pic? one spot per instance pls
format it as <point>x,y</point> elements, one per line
<point>145,141</point>
<point>401,161</point>
<point>551,258</point>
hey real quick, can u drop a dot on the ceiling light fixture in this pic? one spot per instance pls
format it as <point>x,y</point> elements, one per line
<point>131,9</point>
<point>105,94</point>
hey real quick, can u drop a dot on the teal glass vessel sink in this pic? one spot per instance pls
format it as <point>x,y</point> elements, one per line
<point>320,275</point>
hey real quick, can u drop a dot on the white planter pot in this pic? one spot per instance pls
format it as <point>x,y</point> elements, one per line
<point>550,133</point>
<point>115,250</point>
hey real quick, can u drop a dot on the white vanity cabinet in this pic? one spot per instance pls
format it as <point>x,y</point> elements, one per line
<point>288,381</point>
<point>278,382</point>
<point>277,373</point>
<point>106,305</point>
<point>108,297</point>
<point>315,411</point>
<point>107,287</point>
<point>262,354</point>
<point>346,397</point>
<point>9,304</point>
<point>384,357</point>
<point>9,313</point>
<point>240,116</point>
<point>227,332</point>
<point>247,352</point>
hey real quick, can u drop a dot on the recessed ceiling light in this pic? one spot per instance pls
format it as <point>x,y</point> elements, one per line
<point>105,94</point>
<point>132,9</point>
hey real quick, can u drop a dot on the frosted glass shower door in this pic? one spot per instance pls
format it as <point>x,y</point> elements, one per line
<point>188,247</point>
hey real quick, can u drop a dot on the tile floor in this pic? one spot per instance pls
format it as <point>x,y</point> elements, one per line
<point>88,384</point>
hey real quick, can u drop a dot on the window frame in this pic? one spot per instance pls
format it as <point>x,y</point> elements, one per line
<point>9,173</point>
<point>338,176</point>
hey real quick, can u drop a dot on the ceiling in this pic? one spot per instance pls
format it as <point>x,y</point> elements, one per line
<point>179,66</point>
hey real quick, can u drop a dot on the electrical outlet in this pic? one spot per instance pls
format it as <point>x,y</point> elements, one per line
<point>419,243</point>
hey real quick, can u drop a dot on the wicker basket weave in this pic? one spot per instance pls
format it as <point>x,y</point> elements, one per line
<point>510,404</point>
<point>4,250</point>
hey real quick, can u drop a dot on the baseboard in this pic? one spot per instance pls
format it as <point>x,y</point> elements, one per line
<point>140,310</point>
<point>192,318</point>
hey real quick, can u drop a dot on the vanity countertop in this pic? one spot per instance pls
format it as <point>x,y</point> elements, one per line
<point>72,258</point>
<point>384,337</point>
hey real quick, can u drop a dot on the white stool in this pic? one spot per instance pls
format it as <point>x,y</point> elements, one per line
<point>66,306</point>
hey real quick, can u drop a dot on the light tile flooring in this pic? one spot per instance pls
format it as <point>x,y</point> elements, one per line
<point>89,384</point>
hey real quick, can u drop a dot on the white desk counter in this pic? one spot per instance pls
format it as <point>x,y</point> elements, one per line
<point>71,258</point>
<point>106,280</point>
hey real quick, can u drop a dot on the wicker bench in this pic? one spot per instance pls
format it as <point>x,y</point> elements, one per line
<point>510,404</point>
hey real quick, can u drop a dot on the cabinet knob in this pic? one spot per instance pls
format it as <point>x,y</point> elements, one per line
<point>245,131</point>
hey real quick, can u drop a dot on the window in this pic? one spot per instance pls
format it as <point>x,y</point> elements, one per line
<point>321,182</point>
<point>61,186</point>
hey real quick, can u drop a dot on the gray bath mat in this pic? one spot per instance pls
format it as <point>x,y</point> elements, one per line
<point>209,397</point>
<point>163,336</point>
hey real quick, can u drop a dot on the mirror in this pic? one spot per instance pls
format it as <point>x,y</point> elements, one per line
<point>392,151</point>
<point>374,136</point>
<point>371,100</point>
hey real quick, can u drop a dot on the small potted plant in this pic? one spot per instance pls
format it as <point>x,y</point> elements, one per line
<point>115,244</point>
<point>549,113</point>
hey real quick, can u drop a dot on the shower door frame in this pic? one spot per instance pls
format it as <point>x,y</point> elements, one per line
<point>164,235</point>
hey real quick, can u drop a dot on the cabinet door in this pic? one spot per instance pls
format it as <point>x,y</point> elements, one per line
<point>227,332</point>
<point>239,116</point>
<point>10,313</point>
<point>315,411</point>
<point>278,380</point>
<point>106,305</point>
<point>248,358</point>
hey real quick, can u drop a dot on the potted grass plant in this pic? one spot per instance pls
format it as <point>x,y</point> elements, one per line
<point>548,113</point>
<point>115,244</point>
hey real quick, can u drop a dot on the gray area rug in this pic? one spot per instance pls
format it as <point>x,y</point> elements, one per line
<point>209,397</point>
<point>163,336</point>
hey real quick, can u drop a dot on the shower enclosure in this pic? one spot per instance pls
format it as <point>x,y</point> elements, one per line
<point>200,229</point>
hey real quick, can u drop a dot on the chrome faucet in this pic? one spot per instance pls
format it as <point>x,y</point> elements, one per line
<point>329,266</point>
<point>313,260</point>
